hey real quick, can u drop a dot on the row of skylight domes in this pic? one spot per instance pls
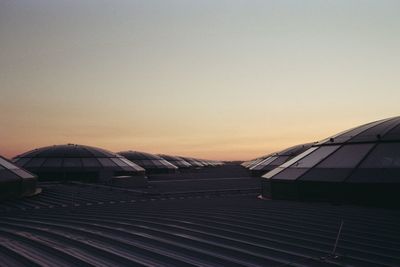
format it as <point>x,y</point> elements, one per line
<point>84,163</point>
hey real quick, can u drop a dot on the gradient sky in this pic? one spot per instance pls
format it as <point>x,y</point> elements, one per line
<point>211,79</point>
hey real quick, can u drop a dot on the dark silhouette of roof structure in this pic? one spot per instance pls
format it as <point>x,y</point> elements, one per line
<point>177,161</point>
<point>360,164</point>
<point>16,182</point>
<point>275,159</point>
<point>76,162</point>
<point>150,162</point>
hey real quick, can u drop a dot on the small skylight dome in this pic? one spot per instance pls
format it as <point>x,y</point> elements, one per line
<point>150,162</point>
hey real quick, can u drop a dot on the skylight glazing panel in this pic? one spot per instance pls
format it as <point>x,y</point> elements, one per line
<point>35,162</point>
<point>376,132</point>
<point>290,174</point>
<point>348,156</point>
<point>23,174</point>
<point>314,158</point>
<point>90,162</point>
<point>21,161</point>
<point>106,162</point>
<point>72,163</point>
<point>386,155</point>
<point>7,164</point>
<point>53,162</point>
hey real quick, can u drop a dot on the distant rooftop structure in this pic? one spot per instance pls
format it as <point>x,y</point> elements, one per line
<point>362,163</point>
<point>76,162</point>
<point>194,162</point>
<point>177,161</point>
<point>15,182</point>
<point>150,162</point>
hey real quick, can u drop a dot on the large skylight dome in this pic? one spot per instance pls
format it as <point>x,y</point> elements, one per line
<point>357,164</point>
<point>15,182</point>
<point>77,162</point>
<point>152,163</point>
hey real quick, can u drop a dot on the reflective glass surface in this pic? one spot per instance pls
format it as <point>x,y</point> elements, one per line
<point>53,162</point>
<point>90,162</point>
<point>106,162</point>
<point>72,163</point>
<point>35,162</point>
<point>348,156</point>
<point>7,164</point>
<point>386,155</point>
<point>315,157</point>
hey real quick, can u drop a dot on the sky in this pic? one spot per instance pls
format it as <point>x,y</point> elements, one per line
<point>216,79</point>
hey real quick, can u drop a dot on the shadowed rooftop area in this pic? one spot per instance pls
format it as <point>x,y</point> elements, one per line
<point>178,223</point>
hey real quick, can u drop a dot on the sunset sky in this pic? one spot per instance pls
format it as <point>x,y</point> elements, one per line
<point>211,79</point>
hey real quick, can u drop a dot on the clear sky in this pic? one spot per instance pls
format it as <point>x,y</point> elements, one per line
<point>212,79</point>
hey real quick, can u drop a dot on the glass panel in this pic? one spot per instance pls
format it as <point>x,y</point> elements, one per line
<point>129,163</point>
<point>290,174</point>
<point>346,135</point>
<point>53,162</point>
<point>348,156</point>
<point>21,161</point>
<point>106,162</point>
<point>298,157</point>
<point>35,162</point>
<point>22,173</point>
<point>280,160</point>
<point>393,134</point>
<point>326,174</point>
<point>7,164</point>
<point>274,172</point>
<point>383,156</point>
<point>157,163</point>
<point>72,162</point>
<point>262,163</point>
<point>90,162</point>
<point>288,163</point>
<point>372,133</point>
<point>119,162</point>
<point>315,157</point>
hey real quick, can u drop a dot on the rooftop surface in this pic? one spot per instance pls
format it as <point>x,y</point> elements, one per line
<point>222,224</point>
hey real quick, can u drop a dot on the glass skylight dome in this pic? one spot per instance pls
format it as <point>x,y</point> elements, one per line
<point>152,163</point>
<point>15,182</point>
<point>194,162</point>
<point>177,161</point>
<point>76,162</point>
<point>274,160</point>
<point>359,164</point>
